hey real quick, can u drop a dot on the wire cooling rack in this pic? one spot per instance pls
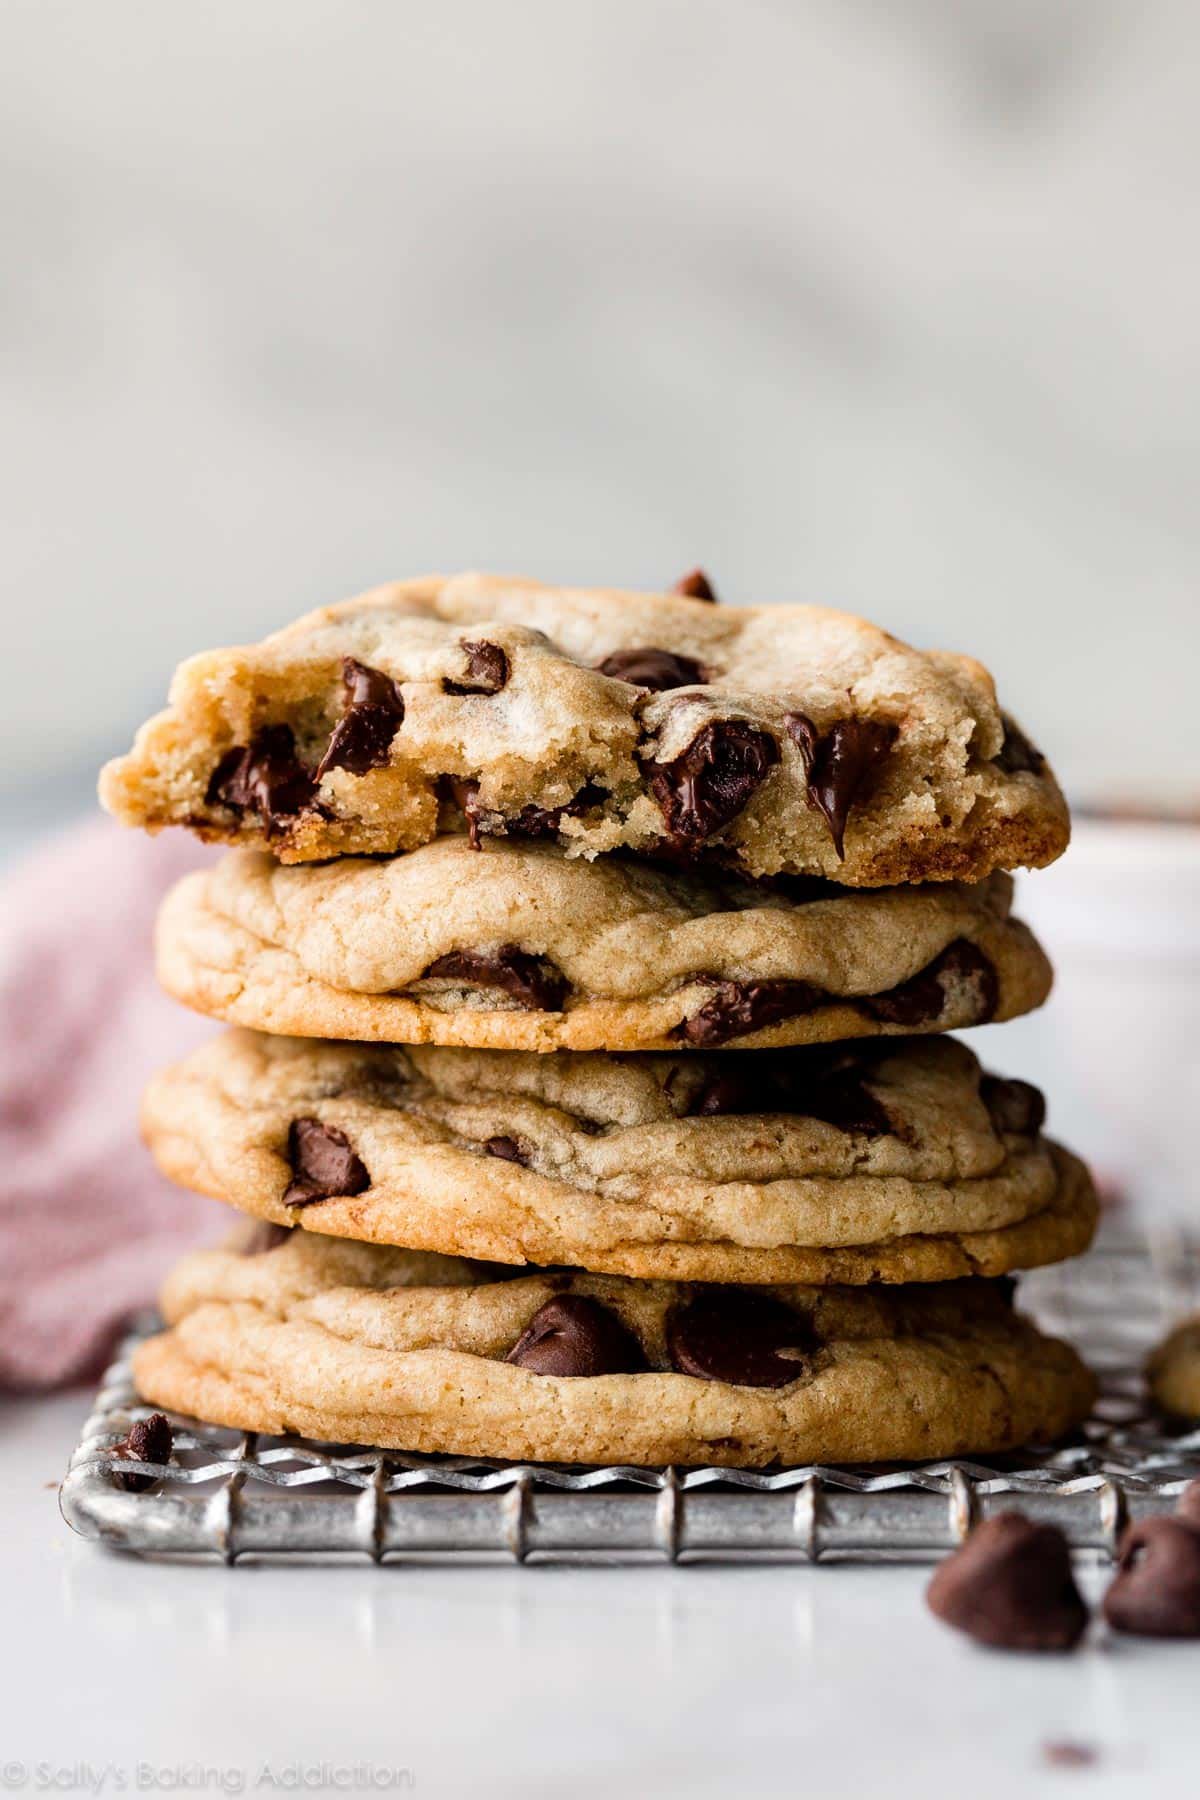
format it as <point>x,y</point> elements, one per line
<point>232,1495</point>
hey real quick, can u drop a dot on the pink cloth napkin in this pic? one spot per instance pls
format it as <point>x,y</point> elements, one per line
<point>87,1225</point>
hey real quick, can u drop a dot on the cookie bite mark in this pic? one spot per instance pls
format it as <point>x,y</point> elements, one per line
<point>323,1164</point>
<point>739,1007</point>
<point>362,738</point>
<point>747,1340</point>
<point>961,969</point>
<point>838,764</point>
<point>695,585</point>
<point>710,782</point>
<point>532,981</point>
<point>650,667</point>
<point>572,1335</point>
<point>265,777</point>
<point>487,670</point>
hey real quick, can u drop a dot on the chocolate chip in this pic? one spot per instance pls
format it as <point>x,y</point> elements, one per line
<point>1011,1586</point>
<point>1156,1590</point>
<point>806,1086</point>
<point>710,782</point>
<point>487,671</point>
<point>264,1236</point>
<point>506,1148</point>
<point>572,1335</point>
<point>530,822</point>
<point>324,1166</point>
<point>838,763</point>
<point>738,1007</point>
<point>1017,755</point>
<point>652,668</point>
<point>1187,1507</point>
<point>266,777</point>
<point>362,737</point>
<point>695,585</point>
<point>532,981</point>
<point>749,1340</point>
<point>923,999</point>
<point>148,1441</point>
<point>1013,1106</point>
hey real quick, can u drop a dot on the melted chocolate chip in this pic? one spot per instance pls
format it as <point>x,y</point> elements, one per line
<point>738,1337</point>
<point>487,671</point>
<point>1017,755</point>
<point>922,1000</point>
<point>266,777</point>
<point>710,782</point>
<point>324,1166</point>
<point>738,1007</point>
<point>1013,1106</point>
<point>1011,1586</point>
<point>808,1087</point>
<point>572,1335</point>
<point>652,668</point>
<point>362,737</point>
<point>148,1441</point>
<point>1156,1590</point>
<point>837,764</point>
<point>532,981</point>
<point>507,1148</point>
<point>695,585</point>
<point>530,822</point>
<point>264,1236</point>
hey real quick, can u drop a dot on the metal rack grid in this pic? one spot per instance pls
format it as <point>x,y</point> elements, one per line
<point>230,1494</point>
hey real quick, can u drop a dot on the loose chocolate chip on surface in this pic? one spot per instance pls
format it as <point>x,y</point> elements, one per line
<point>923,999</point>
<point>1156,1590</point>
<point>264,1236</point>
<point>1013,1106</point>
<point>695,585</point>
<point>1017,755</point>
<point>652,668</point>
<point>1011,1586</point>
<point>1063,1754</point>
<point>324,1166</point>
<point>838,763</point>
<point>748,1340</point>
<point>710,782</point>
<point>265,776</point>
<point>532,981</point>
<point>738,1007</point>
<point>149,1441</point>
<point>507,1148</point>
<point>572,1335</point>
<point>362,737</point>
<point>487,671</point>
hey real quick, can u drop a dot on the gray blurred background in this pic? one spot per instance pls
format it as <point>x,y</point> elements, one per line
<point>891,304</point>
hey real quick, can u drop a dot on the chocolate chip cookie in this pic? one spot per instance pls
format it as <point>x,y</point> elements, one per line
<point>353,1343</point>
<point>784,739</point>
<point>520,947</point>
<point>896,1161</point>
<point>1173,1371</point>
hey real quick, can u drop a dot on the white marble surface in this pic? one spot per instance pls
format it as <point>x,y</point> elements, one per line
<point>541,1681</point>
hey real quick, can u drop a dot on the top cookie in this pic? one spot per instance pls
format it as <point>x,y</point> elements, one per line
<point>785,739</point>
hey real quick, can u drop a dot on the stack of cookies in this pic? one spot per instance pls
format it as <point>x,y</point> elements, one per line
<point>590,957</point>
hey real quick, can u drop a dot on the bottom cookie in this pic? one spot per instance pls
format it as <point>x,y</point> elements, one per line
<point>356,1343</point>
<point>1173,1371</point>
